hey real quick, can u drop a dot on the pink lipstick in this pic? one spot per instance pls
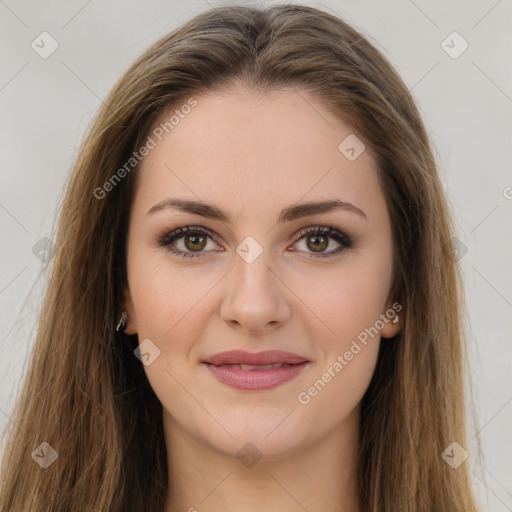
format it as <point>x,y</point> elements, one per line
<point>255,371</point>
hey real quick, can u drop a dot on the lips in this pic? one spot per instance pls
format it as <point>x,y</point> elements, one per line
<point>255,371</point>
<point>253,366</point>
<point>242,359</point>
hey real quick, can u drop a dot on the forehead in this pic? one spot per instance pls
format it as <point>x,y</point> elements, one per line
<point>255,149</point>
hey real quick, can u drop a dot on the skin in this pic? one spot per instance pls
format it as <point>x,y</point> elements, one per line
<point>253,154</point>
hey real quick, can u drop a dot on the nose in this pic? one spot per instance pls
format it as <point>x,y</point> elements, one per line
<point>255,299</point>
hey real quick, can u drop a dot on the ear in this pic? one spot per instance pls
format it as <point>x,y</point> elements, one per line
<point>127,304</point>
<point>392,311</point>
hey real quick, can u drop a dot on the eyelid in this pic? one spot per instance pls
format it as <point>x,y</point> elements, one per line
<point>181,231</point>
<point>327,229</point>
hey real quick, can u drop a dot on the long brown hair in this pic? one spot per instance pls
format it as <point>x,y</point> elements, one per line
<point>85,392</point>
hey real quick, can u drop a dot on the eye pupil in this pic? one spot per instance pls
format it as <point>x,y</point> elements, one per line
<point>195,239</point>
<point>323,244</point>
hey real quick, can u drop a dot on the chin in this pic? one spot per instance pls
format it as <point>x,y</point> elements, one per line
<point>267,435</point>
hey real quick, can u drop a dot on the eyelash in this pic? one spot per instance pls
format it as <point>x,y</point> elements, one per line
<point>345,241</point>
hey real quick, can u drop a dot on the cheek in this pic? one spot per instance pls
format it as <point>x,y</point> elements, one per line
<point>350,313</point>
<point>171,309</point>
<point>346,300</point>
<point>168,299</point>
<point>349,306</point>
<point>335,391</point>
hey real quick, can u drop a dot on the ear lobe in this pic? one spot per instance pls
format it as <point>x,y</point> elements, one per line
<point>127,305</point>
<point>394,319</point>
<point>391,329</point>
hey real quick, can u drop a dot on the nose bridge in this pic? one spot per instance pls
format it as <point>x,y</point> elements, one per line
<point>253,276</point>
<point>254,297</point>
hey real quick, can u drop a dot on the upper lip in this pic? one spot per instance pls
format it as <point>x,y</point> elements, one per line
<point>258,358</point>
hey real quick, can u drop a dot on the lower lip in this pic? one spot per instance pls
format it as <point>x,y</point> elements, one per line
<point>254,380</point>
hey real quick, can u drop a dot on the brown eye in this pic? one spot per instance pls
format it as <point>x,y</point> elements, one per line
<point>188,242</point>
<point>316,240</point>
<point>195,242</point>
<point>317,243</point>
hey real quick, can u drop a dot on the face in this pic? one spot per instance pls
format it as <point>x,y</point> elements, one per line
<point>267,276</point>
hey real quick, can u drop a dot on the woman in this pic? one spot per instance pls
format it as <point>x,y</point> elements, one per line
<point>254,302</point>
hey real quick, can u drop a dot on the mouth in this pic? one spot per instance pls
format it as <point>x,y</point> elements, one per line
<point>260,359</point>
<point>254,366</point>
<point>255,371</point>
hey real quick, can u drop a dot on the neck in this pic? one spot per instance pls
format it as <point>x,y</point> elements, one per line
<point>321,476</point>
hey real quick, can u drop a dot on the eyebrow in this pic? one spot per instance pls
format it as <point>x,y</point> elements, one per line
<point>287,215</point>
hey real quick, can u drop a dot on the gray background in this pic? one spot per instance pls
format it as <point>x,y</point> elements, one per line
<point>466,102</point>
